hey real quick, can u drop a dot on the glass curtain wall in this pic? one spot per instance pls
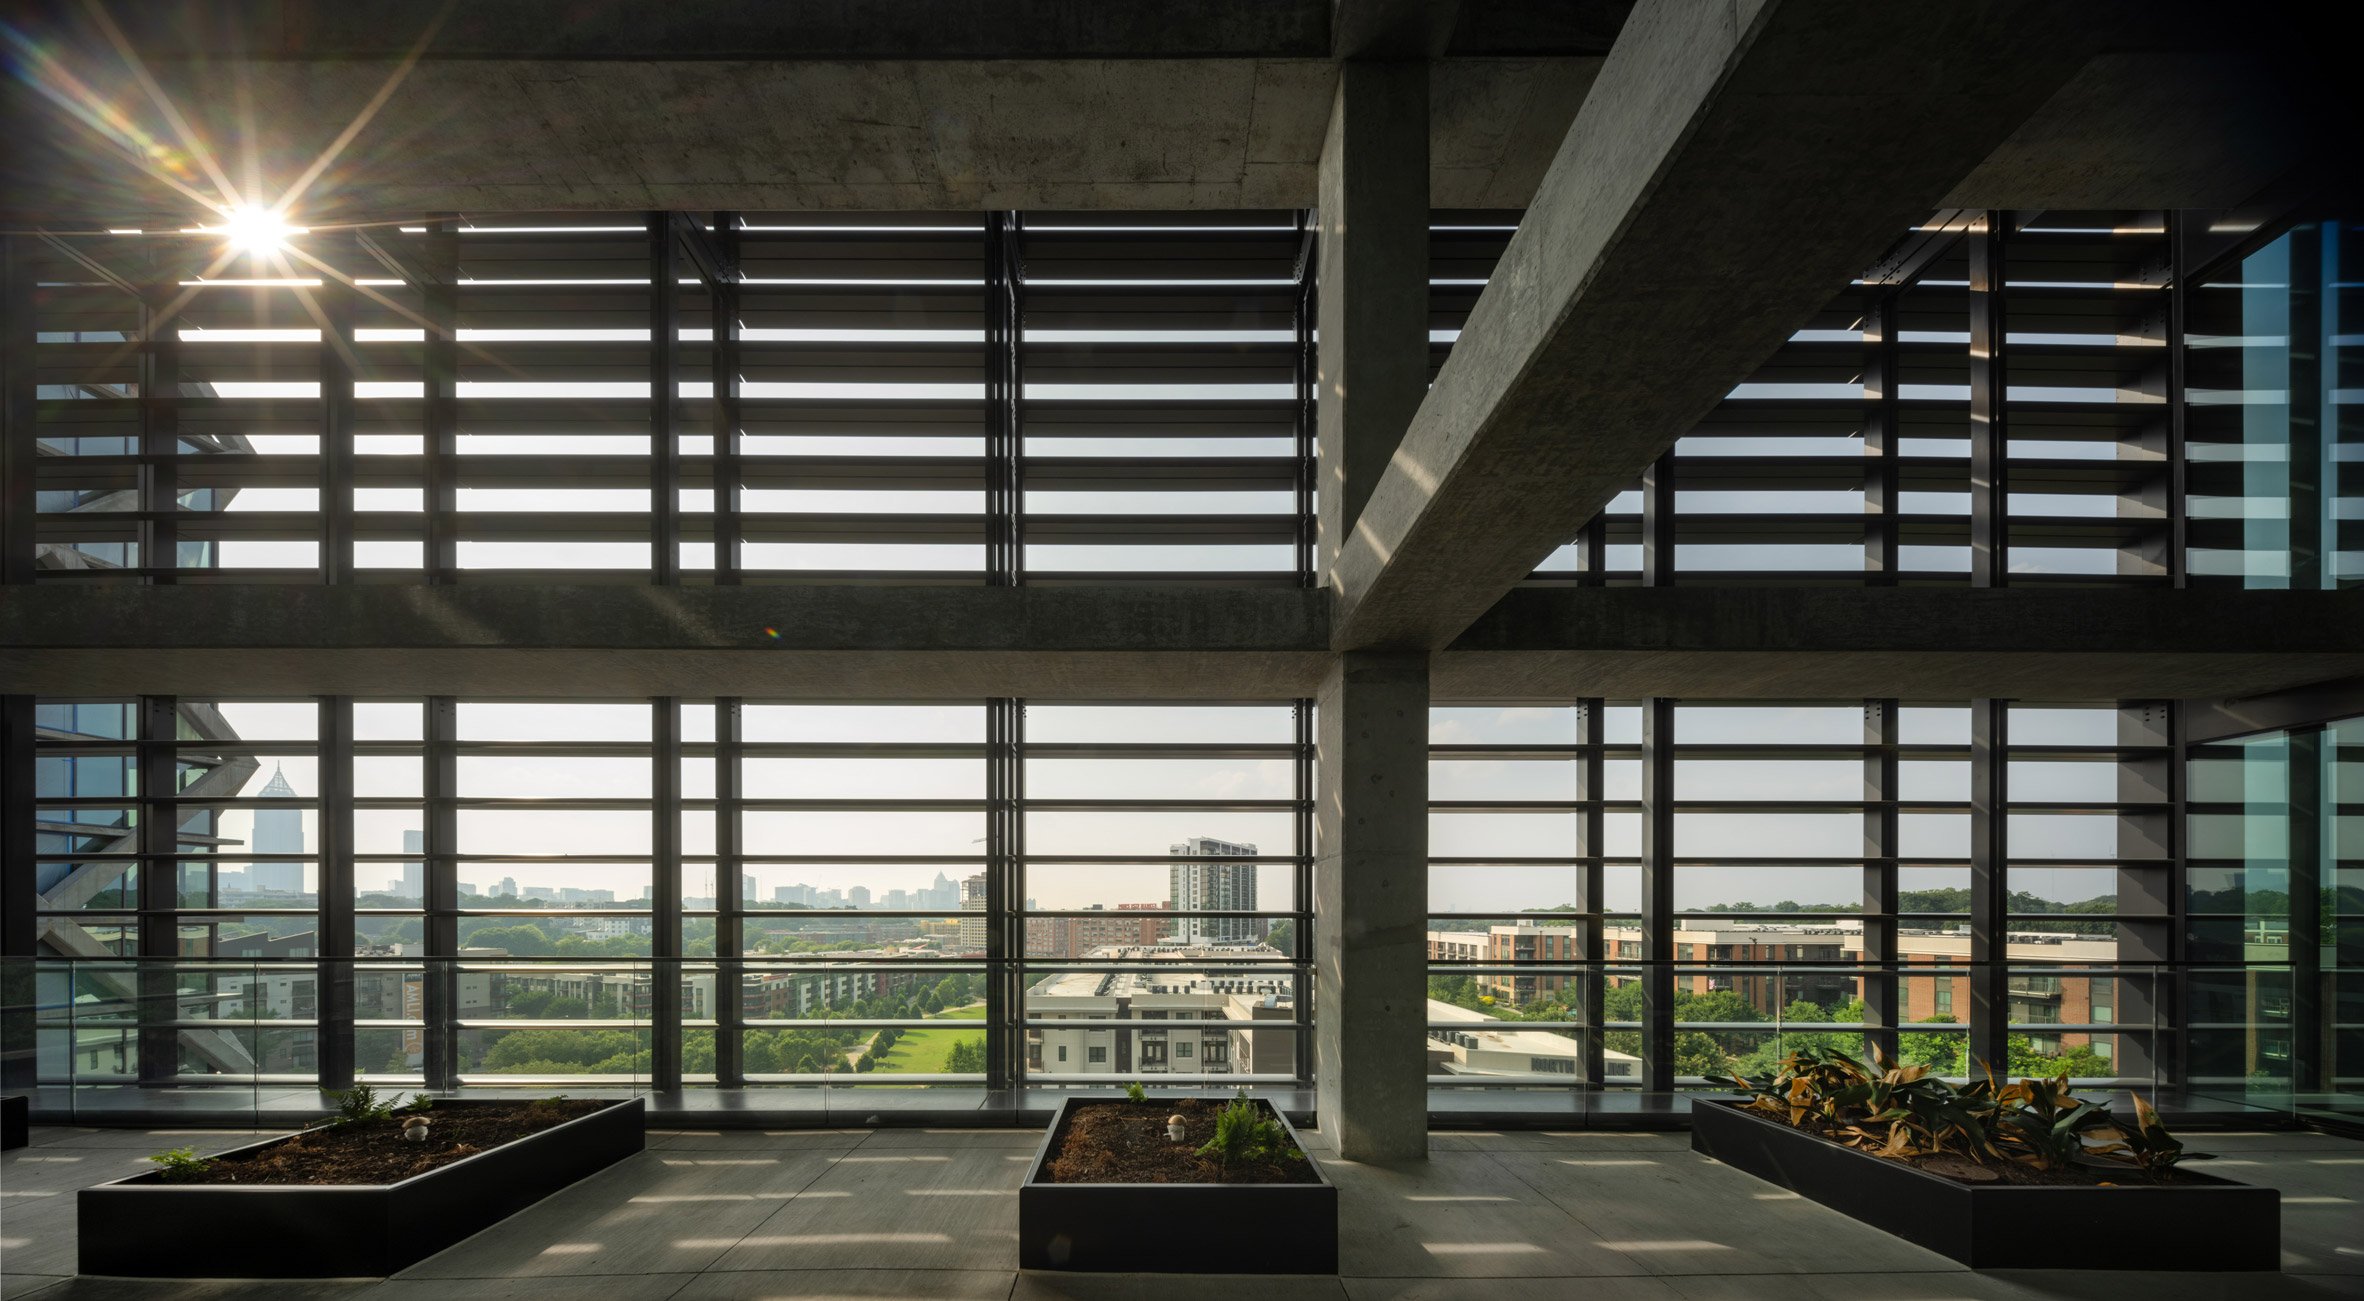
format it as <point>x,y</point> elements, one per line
<point>1639,896</point>
<point>665,893</point>
<point>1849,456</point>
<point>178,865</point>
<point>683,398</point>
<point>1165,893</point>
<point>2276,441</point>
<point>2275,900</point>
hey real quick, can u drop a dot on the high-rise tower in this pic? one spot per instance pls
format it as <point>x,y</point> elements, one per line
<point>1204,883</point>
<point>277,831</point>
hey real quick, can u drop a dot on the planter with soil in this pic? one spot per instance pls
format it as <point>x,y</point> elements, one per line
<point>2007,1217</point>
<point>1109,1190</point>
<point>354,1200</point>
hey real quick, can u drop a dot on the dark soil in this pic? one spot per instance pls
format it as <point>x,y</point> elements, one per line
<point>1125,1143</point>
<point>375,1152</point>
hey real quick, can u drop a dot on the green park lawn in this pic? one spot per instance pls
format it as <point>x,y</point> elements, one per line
<point>924,1052</point>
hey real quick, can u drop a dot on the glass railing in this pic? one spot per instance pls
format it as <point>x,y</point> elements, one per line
<point>147,1040</point>
<point>1571,1038</point>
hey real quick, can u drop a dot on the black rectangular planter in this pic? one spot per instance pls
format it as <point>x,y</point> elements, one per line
<point>145,1227</point>
<point>2199,1222</point>
<point>16,1121</point>
<point>1177,1228</point>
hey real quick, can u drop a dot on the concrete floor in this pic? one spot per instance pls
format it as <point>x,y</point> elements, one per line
<point>929,1213</point>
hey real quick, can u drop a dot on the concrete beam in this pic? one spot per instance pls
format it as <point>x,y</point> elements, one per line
<point>856,642</point>
<point>1372,368</point>
<point>1914,643</point>
<point>1370,884</point>
<point>1164,642</point>
<point>1393,29</point>
<point>499,134</point>
<point>1730,166</point>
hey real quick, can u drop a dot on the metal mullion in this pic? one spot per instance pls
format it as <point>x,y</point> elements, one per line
<point>440,907</point>
<point>1990,877</point>
<point>337,299</point>
<point>1013,392</point>
<point>1302,902</point>
<point>19,883</point>
<point>1592,550</point>
<point>1882,1012</point>
<point>665,947</point>
<point>337,933</point>
<point>730,1010</point>
<point>2310,1063</point>
<point>439,389</point>
<point>159,893</point>
<point>159,532</point>
<point>1658,911</point>
<point>2178,415</point>
<point>1883,438</point>
<point>1990,487</point>
<point>2307,351</point>
<point>1658,522</point>
<point>1005,1044</point>
<point>1005,445</point>
<point>1592,890</point>
<point>19,408</point>
<point>2175,1051</point>
<point>729,465</point>
<point>664,389</point>
<point>997,451</point>
<point>1308,395</point>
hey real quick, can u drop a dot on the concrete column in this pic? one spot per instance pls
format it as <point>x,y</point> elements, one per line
<point>1371,900</point>
<point>1371,282</point>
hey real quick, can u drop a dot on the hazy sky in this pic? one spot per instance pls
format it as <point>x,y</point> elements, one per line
<point>593,837</point>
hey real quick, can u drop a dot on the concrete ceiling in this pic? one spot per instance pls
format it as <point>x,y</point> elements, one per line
<point>934,106</point>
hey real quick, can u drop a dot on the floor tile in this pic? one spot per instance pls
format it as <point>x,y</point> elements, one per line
<point>655,1213</point>
<point>628,1287</point>
<point>195,1289</point>
<point>919,1209</point>
<point>1492,1289</point>
<point>1688,1214</point>
<point>1053,1285</point>
<point>847,1284</point>
<point>955,1139</point>
<point>731,1140</point>
<point>1456,1214</point>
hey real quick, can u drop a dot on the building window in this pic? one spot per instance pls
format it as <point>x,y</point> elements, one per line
<point>1095,1056</point>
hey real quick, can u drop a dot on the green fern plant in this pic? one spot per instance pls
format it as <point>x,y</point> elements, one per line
<point>359,1105</point>
<point>1246,1133</point>
<point>180,1164</point>
<point>1136,1093</point>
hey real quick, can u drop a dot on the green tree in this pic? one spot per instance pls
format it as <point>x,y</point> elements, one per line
<point>966,1058</point>
<point>525,941</point>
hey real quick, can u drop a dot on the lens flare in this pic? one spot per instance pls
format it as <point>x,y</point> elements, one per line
<point>254,230</point>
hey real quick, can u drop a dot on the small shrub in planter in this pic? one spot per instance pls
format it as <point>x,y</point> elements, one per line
<point>1114,1188</point>
<point>2021,1175</point>
<point>1905,1113</point>
<point>357,1196</point>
